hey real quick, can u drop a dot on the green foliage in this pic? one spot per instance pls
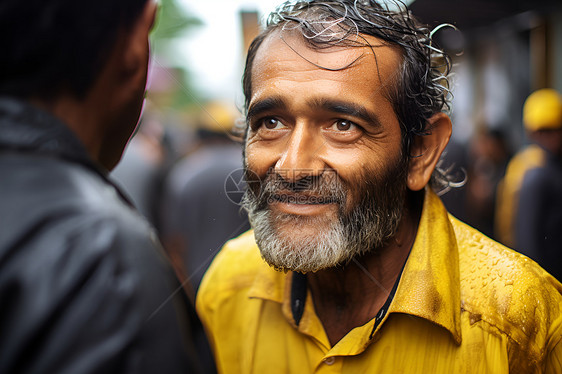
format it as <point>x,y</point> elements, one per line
<point>173,22</point>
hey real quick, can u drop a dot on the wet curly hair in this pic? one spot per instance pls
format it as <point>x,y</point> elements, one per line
<point>421,87</point>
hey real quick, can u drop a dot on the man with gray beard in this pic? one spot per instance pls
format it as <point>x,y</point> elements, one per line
<point>353,264</point>
<point>366,227</point>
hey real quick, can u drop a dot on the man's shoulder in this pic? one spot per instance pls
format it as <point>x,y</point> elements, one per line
<point>64,205</point>
<point>486,264</point>
<point>546,178</point>
<point>51,184</point>
<point>529,157</point>
<point>504,288</point>
<point>57,213</point>
<point>70,247</point>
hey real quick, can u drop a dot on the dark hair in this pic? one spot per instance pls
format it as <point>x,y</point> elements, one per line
<point>54,45</point>
<point>421,88</point>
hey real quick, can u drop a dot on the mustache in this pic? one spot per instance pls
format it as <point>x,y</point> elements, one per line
<point>326,188</point>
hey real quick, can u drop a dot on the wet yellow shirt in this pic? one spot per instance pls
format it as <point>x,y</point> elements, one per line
<point>464,304</point>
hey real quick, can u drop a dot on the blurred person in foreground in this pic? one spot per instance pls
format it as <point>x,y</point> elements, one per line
<point>353,264</point>
<point>538,220</point>
<point>84,286</point>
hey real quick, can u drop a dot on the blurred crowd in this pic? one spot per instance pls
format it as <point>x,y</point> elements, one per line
<point>187,180</point>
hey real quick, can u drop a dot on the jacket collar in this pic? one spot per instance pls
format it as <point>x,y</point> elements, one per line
<point>429,287</point>
<point>26,128</point>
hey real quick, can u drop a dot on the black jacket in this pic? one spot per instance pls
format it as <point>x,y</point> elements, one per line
<point>84,287</point>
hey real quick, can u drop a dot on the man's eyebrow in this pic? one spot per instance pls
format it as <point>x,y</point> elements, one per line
<point>344,107</point>
<point>265,105</point>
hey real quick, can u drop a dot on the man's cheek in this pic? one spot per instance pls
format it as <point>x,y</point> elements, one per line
<point>253,182</point>
<point>351,192</point>
<point>262,157</point>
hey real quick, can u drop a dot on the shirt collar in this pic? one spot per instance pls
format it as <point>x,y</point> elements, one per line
<point>269,284</point>
<point>429,287</point>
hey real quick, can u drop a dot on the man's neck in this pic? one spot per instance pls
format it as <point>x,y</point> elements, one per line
<point>73,114</point>
<point>350,296</point>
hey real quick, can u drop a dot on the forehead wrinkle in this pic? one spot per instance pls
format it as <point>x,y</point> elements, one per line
<point>365,46</point>
<point>384,69</point>
<point>394,69</point>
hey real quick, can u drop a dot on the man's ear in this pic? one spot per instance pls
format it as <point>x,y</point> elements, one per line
<point>425,150</point>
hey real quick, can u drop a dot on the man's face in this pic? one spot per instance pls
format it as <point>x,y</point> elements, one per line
<point>127,83</point>
<point>323,152</point>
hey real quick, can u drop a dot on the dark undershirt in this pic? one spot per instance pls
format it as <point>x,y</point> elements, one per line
<point>299,292</point>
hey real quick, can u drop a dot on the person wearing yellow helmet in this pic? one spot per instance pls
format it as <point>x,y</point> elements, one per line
<point>539,216</point>
<point>541,116</point>
<point>543,111</point>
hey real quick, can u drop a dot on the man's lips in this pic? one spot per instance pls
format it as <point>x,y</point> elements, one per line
<point>302,199</point>
<point>301,204</point>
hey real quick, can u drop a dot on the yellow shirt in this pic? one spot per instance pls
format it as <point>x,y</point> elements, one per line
<point>464,304</point>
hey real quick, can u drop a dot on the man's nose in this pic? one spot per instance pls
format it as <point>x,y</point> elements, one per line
<point>301,156</point>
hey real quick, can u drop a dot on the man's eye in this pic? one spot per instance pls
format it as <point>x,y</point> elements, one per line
<point>272,123</point>
<point>343,125</point>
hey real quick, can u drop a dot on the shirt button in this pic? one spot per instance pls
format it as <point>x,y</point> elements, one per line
<point>330,360</point>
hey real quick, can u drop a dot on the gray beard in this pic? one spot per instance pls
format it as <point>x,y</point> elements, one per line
<point>372,221</point>
<point>328,248</point>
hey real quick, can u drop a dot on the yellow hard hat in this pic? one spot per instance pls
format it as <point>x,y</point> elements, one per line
<point>218,116</point>
<point>543,110</point>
